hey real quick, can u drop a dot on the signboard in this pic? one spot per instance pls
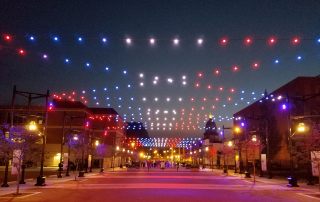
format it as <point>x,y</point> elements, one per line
<point>263,162</point>
<point>65,161</point>
<point>315,162</point>
<point>16,162</point>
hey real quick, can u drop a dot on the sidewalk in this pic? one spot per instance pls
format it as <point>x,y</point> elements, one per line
<point>50,180</point>
<point>275,180</point>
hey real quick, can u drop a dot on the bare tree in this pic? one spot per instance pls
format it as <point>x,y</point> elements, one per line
<point>18,142</point>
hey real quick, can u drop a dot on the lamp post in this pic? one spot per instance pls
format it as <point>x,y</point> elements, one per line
<point>229,145</point>
<point>255,142</point>
<point>31,96</point>
<point>237,131</point>
<point>31,127</point>
<point>224,155</point>
<point>300,129</point>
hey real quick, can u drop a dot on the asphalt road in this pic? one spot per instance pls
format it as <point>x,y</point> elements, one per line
<point>163,186</point>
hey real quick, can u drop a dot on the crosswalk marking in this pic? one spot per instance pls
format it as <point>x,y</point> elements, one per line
<point>166,186</point>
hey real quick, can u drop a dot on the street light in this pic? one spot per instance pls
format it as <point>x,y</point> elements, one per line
<point>236,131</point>
<point>97,143</point>
<point>300,129</point>
<point>32,128</point>
<point>226,151</point>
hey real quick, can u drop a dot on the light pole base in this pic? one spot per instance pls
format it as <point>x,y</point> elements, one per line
<point>292,182</point>
<point>41,181</point>
<point>5,185</point>
<point>247,174</point>
<point>81,174</point>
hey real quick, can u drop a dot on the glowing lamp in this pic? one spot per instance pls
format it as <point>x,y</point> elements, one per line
<point>96,143</point>
<point>230,143</point>
<point>318,40</point>
<point>235,68</point>
<point>237,130</point>
<point>104,40</point>
<point>56,39</point>
<point>7,37</point>
<point>217,72</point>
<point>295,41</point>
<point>128,41</point>
<point>255,65</point>
<point>248,41</point>
<point>301,128</point>
<point>299,57</point>
<point>32,126</point>
<point>272,41</point>
<point>176,41</point>
<point>152,41</point>
<point>21,52</point>
<point>276,61</point>
<point>283,106</point>
<point>200,41</point>
<point>223,41</point>
<point>31,38</point>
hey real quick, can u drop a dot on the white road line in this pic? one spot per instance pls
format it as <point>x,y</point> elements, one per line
<point>167,186</point>
<point>20,197</point>
<point>306,195</point>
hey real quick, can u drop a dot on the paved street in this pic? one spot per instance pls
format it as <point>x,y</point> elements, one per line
<point>158,185</point>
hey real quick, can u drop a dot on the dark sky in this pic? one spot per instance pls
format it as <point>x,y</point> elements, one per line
<point>163,20</point>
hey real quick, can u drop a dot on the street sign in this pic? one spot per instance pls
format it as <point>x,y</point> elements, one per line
<point>315,162</point>
<point>263,162</point>
<point>16,162</point>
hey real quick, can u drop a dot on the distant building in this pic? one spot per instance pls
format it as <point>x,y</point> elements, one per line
<point>212,145</point>
<point>211,132</point>
<point>274,118</point>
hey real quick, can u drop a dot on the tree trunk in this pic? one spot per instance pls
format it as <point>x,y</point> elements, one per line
<point>18,177</point>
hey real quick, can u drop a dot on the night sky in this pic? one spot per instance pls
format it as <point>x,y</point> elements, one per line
<point>103,70</point>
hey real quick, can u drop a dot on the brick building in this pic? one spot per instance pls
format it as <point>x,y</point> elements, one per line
<point>273,121</point>
<point>93,128</point>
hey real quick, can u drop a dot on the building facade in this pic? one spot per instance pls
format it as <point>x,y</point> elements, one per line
<point>74,132</point>
<point>272,123</point>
